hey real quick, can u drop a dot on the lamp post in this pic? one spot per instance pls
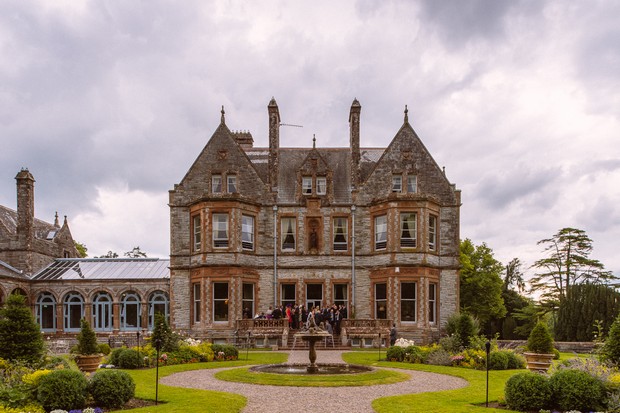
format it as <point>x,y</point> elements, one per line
<point>138,340</point>
<point>247,346</point>
<point>157,347</point>
<point>379,346</point>
<point>488,348</point>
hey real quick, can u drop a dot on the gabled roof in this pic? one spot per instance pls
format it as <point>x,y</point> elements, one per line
<point>42,229</point>
<point>9,271</point>
<point>105,269</point>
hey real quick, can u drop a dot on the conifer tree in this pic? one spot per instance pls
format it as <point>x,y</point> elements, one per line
<point>20,335</point>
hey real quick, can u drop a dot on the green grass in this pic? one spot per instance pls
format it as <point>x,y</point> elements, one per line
<point>467,399</point>
<point>178,399</point>
<point>295,380</point>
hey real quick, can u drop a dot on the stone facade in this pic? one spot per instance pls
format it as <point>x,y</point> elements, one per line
<point>376,229</point>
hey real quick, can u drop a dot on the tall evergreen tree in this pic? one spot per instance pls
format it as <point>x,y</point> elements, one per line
<point>567,263</point>
<point>20,335</point>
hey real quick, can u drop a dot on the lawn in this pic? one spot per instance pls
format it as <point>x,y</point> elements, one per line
<point>177,399</point>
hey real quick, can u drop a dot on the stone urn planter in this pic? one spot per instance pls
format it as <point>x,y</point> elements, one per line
<point>539,362</point>
<point>88,363</point>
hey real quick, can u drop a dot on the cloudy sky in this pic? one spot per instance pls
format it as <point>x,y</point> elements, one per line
<point>108,103</point>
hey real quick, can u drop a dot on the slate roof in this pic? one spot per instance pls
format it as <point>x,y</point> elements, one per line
<point>291,159</point>
<point>105,269</point>
<point>42,229</point>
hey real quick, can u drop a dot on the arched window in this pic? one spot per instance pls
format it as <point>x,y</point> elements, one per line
<point>46,312</point>
<point>102,312</point>
<point>73,311</point>
<point>158,303</point>
<point>130,311</point>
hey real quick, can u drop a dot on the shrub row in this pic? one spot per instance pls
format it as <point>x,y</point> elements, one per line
<point>69,389</point>
<point>566,389</point>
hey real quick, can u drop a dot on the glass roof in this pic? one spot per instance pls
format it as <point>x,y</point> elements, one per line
<point>105,269</point>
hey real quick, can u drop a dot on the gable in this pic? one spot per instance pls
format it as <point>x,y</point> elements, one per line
<point>407,155</point>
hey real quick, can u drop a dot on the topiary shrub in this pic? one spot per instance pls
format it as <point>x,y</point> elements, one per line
<point>112,388</point>
<point>87,339</point>
<point>129,359</point>
<point>527,391</point>
<point>115,354</point>
<point>498,360</point>
<point>540,340</point>
<point>63,389</point>
<point>395,353</point>
<point>20,335</point>
<point>229,352</point>
<point>576,390</point>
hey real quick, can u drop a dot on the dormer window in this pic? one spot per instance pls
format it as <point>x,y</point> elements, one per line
<point>397,183</point>
<point>232,184</point>
<point>412,184</point>
<point>216,184</point>
<point>306,185</point>
<point>321,185</point>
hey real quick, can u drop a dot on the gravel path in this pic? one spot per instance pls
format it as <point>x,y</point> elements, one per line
<point>275,399</point>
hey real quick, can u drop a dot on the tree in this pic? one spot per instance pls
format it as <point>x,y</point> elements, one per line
<point>81,248</point>
<point>513,276</point>
<point>161,331</point>
<point>481,284</point>
<point>513,301</point>
<point>611,348</point>
<point>585,306</point>
<point>87,339</point>
<point>109,254</point>
<point>20,335</point>
<point>567,263</point>
<point>135,253</point>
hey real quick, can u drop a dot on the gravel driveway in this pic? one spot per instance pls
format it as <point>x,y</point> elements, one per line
<point>276,399</point>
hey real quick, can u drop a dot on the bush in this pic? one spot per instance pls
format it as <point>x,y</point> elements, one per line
<point>104,348</point>
<point>112,388</point>
<point>87,339</point>
<point>576,390</point>
<point>63,389</point>
<point>439,357</point>
<point>498,360</point>
<point>452,344</point>
<point>230,352</point>
<point>20,335</point>
<point>611,348</point>
<point>463,326</point>
<point>129,359</point>
<point>115,355</point>
<point>515,361</point>
<point>527,391</point>
<point>414,354</point>
<point>540,340</point>
<point>395,353</point>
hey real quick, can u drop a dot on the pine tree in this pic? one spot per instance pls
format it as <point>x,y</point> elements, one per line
<point>20,335</point>
<point>87,339</point>
<point>162,332</point>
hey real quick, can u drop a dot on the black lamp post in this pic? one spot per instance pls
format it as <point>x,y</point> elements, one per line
<point>247,346</point>
<point>138,340</point>
<point>488,348</point>
<point>379,346</point>
<point>157,347</point>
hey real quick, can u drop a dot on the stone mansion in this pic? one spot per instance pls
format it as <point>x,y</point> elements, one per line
<point>374,229</point>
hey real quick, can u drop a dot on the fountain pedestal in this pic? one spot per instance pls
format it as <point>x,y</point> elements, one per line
<point>312,336</point>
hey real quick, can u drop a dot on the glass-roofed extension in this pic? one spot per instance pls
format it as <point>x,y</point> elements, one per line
<point>115,295</point>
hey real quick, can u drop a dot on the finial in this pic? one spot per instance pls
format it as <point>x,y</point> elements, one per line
<point>223,112</point>
<point>65,223</point>
<point>313,141</point>
<point>444,170</point>
<point>56,220</point>
<point>406,114</point>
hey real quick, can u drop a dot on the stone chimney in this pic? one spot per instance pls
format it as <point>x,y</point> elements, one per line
<point>274,143</point>
<point>244,139</point>
<point>354,127</point>
<point>25,208</point>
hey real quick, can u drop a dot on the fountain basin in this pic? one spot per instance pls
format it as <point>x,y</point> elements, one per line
<point>320,368</point>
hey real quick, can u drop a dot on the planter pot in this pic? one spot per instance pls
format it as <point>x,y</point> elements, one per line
<point>89,363</point>
<point>539,362</point>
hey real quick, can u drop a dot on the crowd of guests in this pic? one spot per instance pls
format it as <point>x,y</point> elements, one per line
<point>300,317</point>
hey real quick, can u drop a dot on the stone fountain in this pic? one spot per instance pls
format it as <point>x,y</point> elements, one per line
<point>311,335</point>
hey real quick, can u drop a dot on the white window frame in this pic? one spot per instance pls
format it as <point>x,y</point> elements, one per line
<point>247,232</point>
<point>220,230</point>
<point>216,184</point>
<point>221,300</point>
<point>103,316</point>
<point>341,234</point>
<point>321,185</point>
<point>44,300</point>
<point>412,240</point>
<point>286,224</point>
<point>432,232</point>
<point>248,302</point>
<point>158,299</point>
<point>345,289</point>
<point>72,300</point>
<point>397,183</point>
<point>412,184</point>
<point>131,299</point>
<point>380,301</point>
<point>306,185</point>
<point>432,303</point>
<point>231,184</point>
<point>196,299</point>
<point>380,232</point>
<point>197,232</point>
